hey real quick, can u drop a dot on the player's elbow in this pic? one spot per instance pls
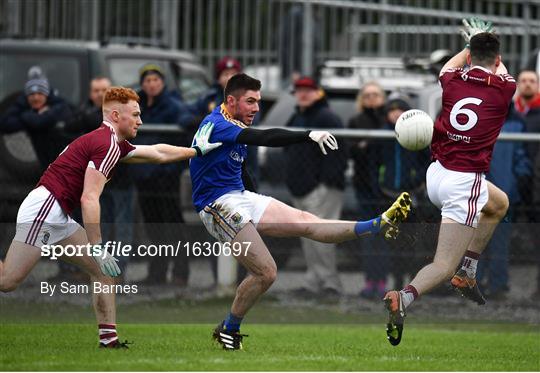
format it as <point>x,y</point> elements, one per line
<point>88,199</point>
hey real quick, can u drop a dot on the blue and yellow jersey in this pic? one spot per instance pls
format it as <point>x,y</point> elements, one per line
<point>220,171</point>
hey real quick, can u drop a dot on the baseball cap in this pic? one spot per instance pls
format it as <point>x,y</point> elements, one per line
<point>305,82</point>
<point>227,63</point>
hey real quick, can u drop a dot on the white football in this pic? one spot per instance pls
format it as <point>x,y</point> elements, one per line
<point>414,129</point>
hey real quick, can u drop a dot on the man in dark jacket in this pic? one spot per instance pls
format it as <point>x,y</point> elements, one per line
<point>225,68</point>
<point>316,182</point>
<point>510,165</point>
<point>370,104</point>
<point>527,103</point>
<point>89,117</point>
<point>158,186</point>
<point>37,111</point>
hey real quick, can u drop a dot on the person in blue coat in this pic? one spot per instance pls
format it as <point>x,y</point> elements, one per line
<point>510,165</point>
<point>38,111</point>
<point>158,186</point>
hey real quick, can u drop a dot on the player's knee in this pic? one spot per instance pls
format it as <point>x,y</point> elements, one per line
<point>268,276</point>
<point>498,205</point>
<point>7,285</point>
<point>502,206</point>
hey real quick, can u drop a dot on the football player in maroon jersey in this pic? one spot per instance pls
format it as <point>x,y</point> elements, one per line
<point>475,104</point>
<point>78,176</point>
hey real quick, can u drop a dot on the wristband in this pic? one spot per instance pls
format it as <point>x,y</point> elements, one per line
<point>198,150</point>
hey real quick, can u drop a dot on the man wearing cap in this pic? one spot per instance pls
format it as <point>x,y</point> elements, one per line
<point>316,182</point>
<point>225,69</point>
<point>157,185</point>
<point>37,111</point>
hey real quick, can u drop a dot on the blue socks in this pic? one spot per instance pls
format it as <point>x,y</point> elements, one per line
<point>232,323</point>
<point>372,226</point>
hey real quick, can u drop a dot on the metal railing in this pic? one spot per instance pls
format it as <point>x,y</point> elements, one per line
<point>291,34</point>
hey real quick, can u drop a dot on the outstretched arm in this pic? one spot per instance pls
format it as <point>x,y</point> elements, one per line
<point>164,153</point>
<point>275,137</point>
<point>159,153</point>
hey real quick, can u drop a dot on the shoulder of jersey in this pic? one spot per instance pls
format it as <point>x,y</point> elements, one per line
<point>507,77</point>
<point>226,118</point>
<point>102,135</point>
<point>453,69</point>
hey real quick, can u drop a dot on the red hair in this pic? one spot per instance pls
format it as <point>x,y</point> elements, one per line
<point>120,94</point>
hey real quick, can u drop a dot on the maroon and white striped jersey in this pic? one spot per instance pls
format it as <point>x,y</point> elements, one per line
<point>474,107</point>
<point>99,149</point>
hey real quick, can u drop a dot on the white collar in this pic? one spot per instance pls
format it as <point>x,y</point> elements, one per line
<point>112,129</point>
<point>481,68</point>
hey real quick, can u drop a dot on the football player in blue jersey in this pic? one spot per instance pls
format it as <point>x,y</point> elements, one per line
<point>233,214</point>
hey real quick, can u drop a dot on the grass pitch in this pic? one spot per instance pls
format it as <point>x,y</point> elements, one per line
<point>446,347</point>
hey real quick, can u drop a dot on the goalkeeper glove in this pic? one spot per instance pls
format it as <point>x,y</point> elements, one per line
<point>324,138</point>
<point>105,261</point>
<point>201,143</point>
<point>474,26</point>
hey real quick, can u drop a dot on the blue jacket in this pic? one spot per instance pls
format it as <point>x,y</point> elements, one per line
<point>46,140</point>
<point>208,101</point>
<point>166,109</point>
<point>510,161</point>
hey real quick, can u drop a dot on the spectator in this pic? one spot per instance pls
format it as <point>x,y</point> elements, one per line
<point>370,103</point>
<point>225,69</point>
<point>509,166</point>
<point>89,116</point>
<point>38,111</point>
<point>316,182</point>
<point>370,106</point>
<point>158,186</point>
<point>528,104</point>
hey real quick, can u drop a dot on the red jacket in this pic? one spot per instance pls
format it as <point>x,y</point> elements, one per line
<point>523,109</point>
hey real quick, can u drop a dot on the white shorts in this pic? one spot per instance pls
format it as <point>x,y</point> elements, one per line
<point>460,195</point>
<point>228,214</point>
<point>42,221</point>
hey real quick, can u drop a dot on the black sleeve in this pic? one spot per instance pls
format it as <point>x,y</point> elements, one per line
<point>247,180</point>
<point>272,137</point>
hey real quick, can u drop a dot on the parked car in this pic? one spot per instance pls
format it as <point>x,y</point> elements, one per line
<point>69,66</point>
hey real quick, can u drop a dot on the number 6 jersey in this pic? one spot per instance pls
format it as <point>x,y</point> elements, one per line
<point>474,107</point>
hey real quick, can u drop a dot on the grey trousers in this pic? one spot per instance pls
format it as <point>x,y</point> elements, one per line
<point>326,203</point>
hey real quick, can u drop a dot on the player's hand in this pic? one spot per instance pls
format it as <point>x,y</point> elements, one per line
<point>201,143</point>
<point>106,262</point>
<point>324,138</point>
<point>474,26</point>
